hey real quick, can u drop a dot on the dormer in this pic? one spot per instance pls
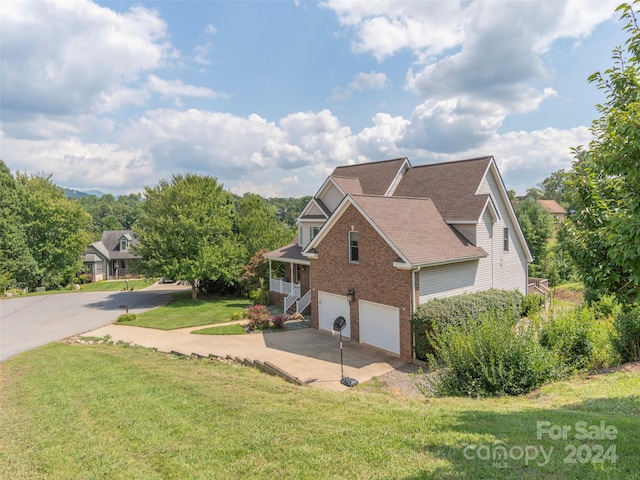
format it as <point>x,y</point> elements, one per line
<point>125,242</point>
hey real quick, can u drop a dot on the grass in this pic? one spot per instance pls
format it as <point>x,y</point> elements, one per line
<point>183,312</point>
<point>133,413</point>
<point>117,285</point>
<point>235,329</point>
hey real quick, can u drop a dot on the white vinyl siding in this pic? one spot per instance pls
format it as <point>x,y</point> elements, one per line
<point>467,231</point>
<point>330,307</point>
<point>380,326</point>
<point>304,232</point>
<point>448,280</point>
<point>509,267</point>
<point>332,198</point>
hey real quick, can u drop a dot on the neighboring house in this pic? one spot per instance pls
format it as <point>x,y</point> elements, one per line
<point>554,208</point>
<point>111,257</point>
<point>379,239</point>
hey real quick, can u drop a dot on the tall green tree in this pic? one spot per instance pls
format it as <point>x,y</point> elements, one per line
<point>537,227</point>
<point>603,235</point>
<point>17,266</point>
<point>259,227</point>
<point>186,232</point>
<point>56,229</point>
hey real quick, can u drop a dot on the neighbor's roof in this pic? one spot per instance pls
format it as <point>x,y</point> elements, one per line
<point>291,252</point>
<point>452,186</point>
<point>552,206</point>
<point>375,178</point>
<point>111,241</point>
<point>430,240</point>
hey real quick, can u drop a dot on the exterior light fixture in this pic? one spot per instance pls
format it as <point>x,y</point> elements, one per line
<point>351,295</point>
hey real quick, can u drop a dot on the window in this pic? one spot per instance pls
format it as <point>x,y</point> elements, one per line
<point>122,264</point>
<point>313,231</point>
<point>506,239</point>
<point>124,245</point>
<point>300,236</point>
<point>353,247</point>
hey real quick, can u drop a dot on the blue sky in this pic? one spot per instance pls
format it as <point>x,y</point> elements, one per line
<point>270,96</point>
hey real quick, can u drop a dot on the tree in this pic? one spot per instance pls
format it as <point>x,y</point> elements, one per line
<point>56,230</point>
<point>259,227</point>
<point>554,187</point>
<point>537,227</point>
<point>603,235</point>
<point>186,232</point>
<point>17,266</point>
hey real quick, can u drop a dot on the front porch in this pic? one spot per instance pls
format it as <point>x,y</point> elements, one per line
<point>289,281</point>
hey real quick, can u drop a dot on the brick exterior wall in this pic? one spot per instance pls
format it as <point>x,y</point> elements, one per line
<point>374,278</point>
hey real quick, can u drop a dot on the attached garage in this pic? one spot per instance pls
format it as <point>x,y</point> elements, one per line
<point>330,307</point>
<point>380,326</point>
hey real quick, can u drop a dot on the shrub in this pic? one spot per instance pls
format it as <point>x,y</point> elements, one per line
<point>260,295</point>
<point>239,315</point>
<point>278,322</point>
<point>532,303</point>
<point>578,338</point>
<point>487,357</point>
<point>626,339</point>
<point>126,317</point>
<point>259,317</point>
<point>460,310</point>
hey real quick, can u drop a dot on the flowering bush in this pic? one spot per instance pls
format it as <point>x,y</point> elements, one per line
<point>278,322</point>
<point>259,317</point>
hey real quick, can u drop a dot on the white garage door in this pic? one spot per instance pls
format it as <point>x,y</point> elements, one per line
<point>330,307</point>
<point>380,326</point>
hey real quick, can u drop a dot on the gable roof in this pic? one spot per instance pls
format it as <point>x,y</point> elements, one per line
<point>375,178</point>
<point>111,243</point>
<point>452,186</point>
<point>552,206</point>
<point>429,241</point>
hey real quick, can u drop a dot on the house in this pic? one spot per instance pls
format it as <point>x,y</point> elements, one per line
<point>378,239</point>
<point>111,257</point>
<point>554,208</point>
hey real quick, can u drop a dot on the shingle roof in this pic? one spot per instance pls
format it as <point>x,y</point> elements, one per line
<point>552,206</point>
<point>291,252</point>
<point>375,177</point>
<point>417,229</point>
<point>452,186</point>
<point>111,241</point>
<point>349,184</point>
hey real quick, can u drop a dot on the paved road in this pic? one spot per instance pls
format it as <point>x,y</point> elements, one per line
<point>29,322</point>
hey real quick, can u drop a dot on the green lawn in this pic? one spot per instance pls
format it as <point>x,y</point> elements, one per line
<point>183,312</point>
<point>235,329</point>
<point>118,412</point>
<point>117,285</point>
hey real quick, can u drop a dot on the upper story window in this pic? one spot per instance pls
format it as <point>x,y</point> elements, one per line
<point>353,247</point>
<point>124,244</point>
<point>313,231</point>
<point>506,239</point>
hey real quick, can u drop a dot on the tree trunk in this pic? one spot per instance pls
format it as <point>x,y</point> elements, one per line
<point>194,291</point>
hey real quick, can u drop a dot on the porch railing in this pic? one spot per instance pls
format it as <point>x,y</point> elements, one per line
<point>292,298</point>
<point>539,285</point>
<point>304,302</point>
<point>280,286</point>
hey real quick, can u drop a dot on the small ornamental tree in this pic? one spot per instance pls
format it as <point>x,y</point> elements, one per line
<point>603,235</point>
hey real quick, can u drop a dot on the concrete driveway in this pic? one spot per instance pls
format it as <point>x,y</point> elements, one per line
<point>310,355</point>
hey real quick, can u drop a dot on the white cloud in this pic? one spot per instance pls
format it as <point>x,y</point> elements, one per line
<point>210,29</point>
<point>176,88</point>
<point>362,81</point>
<point>70,57</point>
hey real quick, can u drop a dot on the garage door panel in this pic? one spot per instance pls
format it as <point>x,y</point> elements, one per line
<point>330,307</point>
<point>380,326</point>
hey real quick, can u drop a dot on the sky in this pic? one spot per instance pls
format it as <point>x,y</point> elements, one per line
<point>269,97</point>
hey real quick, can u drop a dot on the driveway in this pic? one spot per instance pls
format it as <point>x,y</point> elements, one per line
<point>310,355</point>
<point>28,322</point>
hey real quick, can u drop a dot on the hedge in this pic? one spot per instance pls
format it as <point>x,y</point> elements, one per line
<point>462,309</point>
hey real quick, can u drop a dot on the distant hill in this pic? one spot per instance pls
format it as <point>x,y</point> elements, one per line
<point>70,193</point>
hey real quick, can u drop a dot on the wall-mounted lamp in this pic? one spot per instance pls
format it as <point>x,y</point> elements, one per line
<point>351,295</point>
